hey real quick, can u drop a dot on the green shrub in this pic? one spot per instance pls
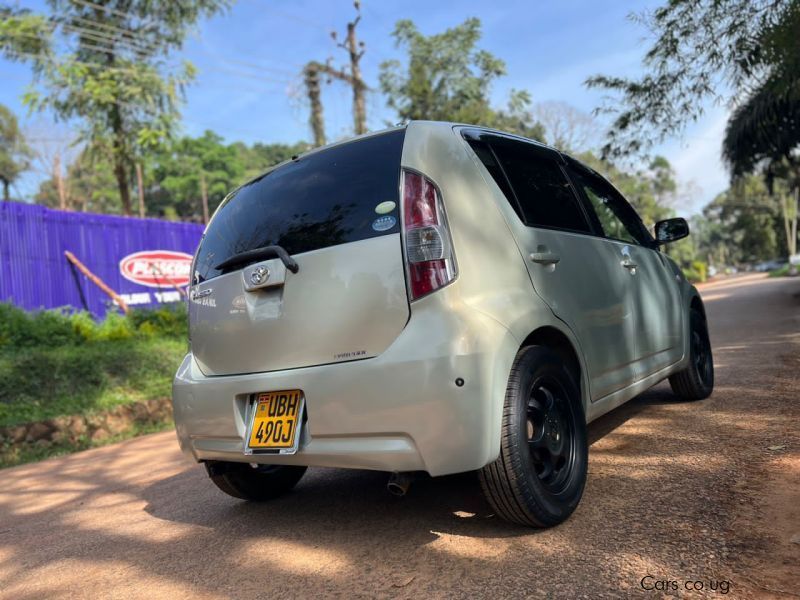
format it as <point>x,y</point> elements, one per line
<point>164,321</point>
<point>19,329</point>
<point>84,325</point>
<point>784,271</point>
<point>696,272</point>
<point>56,328</point>
<point>115,327</point>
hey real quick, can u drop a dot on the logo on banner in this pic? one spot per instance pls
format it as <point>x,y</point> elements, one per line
<point>157,268</point>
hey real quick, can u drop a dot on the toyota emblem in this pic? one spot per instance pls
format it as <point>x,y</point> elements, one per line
<point>259,275</point>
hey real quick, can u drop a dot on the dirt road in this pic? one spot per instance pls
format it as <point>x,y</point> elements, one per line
<point>696,494</point>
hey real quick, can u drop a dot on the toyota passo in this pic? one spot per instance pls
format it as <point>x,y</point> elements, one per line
<point>434,298</point>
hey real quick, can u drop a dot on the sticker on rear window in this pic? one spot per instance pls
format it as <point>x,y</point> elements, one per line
<point>385,207</point>
<point>384,223</point>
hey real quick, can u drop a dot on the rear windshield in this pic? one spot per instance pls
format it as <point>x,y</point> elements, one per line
<point>343,194</point>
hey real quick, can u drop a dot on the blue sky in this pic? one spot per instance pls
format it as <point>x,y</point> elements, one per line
<point>249,59</point>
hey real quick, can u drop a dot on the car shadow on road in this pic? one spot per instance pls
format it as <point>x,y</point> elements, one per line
<point>359,501</point>
<point>609,422</point>
<point>328,499</point>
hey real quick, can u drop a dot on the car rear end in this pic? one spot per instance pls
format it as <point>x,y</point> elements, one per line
<point>362,348</point>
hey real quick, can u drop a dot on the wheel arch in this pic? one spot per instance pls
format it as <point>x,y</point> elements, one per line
<point>560,343</point>
<point>696,303</point>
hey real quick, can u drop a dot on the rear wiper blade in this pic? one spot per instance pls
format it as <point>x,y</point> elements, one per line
<point>257,254</point>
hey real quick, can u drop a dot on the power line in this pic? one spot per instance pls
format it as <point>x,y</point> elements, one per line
<point>84,63</point>
<point>220,69</point>
<point>116,42</point>
<point>112,28</point>
<point>105,48</point>
<point>246,74</point>
<point>112,11</point>
<point>253,65</point>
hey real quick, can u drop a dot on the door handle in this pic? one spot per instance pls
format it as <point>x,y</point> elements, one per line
<point>628,264</point>
<point>545,258</point>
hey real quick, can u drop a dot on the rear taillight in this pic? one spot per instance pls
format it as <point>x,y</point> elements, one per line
<point>428,246</point>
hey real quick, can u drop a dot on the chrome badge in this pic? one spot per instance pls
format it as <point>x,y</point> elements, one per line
<point>259,275</point>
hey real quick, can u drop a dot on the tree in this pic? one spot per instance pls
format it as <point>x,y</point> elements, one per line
<point>115,79</point>
<point>355,52</point>
<point>14,152</point>
<point>763,134</point>
<point>313,74</point>
<point>567,128</point>
<point>88,184</point>
<point>717,50</point>
<point>260,157</point>
<point>448,79</point>
<point>648,191</point>
<point>182,167</point>
<point>749,220</point>
<point>175,172</point>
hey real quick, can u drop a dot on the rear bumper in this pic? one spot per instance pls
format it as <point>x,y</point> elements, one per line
<point>400,411</point>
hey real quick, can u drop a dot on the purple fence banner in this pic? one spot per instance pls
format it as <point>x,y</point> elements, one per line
<point>143,260</point>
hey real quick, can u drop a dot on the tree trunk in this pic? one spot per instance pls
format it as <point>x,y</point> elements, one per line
<point>119,150</point>
<point>359,87</point>
<point>121,175</point>
<point>62,194</point>
<point>789,208</point>
<point>5,190</point>
<point>204,197</point>
<point>140,188</point>
<point>316,120</point>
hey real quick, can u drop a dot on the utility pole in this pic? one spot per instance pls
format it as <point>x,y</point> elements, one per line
<point>311,75</point>
<point>314,70</point>
<point>355,50</point>
<point>204,195</point>
<point>140,185</point>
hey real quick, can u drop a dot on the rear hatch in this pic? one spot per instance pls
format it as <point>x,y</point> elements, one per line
<point>336,213</point>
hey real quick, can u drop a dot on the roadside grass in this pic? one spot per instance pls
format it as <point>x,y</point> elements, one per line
<point>12,456</point>
<point>58,363</point>
<point>782,272</point>
<point>41,383</point>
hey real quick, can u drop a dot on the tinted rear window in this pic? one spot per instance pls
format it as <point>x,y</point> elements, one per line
<point>323,199</point>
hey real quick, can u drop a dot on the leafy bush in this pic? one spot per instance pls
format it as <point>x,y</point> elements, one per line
<point>784,271</point>
<point>57,328</point>
<point>19,329</point>
<point>696,272</point>
<point>165,321</point>
<point>115,327</point>
<point>84,325</point>
<point>56,363</point>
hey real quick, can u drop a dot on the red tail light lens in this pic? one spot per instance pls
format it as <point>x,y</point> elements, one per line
<point>428,246</point>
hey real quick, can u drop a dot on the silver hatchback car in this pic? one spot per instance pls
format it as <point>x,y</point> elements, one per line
<point>434,298</point>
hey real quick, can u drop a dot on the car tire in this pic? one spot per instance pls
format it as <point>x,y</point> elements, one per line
<point>696,381</point>
<point>539,477</point>
<point>260,483</point>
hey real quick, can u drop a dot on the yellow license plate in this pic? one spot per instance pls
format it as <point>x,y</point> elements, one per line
<point>276,420</point>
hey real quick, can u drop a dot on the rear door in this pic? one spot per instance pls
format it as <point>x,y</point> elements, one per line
<point>574,270</point>
<point>335,211</point>
<point>655,291</point>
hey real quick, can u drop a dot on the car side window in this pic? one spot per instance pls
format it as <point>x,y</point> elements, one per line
<point>615,216</point>
<point>544,193</point>
<point>534,185</point>
<point>485,154</point>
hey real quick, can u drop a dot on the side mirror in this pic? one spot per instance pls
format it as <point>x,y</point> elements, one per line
<point>671,230</point>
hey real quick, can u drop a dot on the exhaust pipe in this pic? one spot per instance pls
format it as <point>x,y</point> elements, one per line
<point>399,483</point>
